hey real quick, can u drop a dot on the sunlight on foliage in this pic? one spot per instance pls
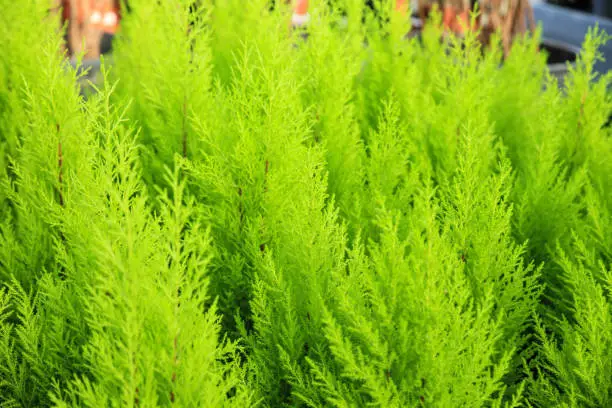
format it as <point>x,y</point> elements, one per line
<point>241,215</point>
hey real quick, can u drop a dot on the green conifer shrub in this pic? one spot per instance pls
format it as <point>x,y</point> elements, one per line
<point>243,215</point>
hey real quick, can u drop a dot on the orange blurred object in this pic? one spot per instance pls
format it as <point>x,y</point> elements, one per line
<point>87,21</point>
<point>448,17</point>
<point>401,5</point>
<point>105,17</point>
<point>300,7</point>
<point>101,14</point>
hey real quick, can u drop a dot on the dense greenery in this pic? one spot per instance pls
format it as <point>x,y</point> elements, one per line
<point>240,217</point>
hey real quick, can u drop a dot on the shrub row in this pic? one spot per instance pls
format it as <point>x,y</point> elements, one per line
<point>241,217</point>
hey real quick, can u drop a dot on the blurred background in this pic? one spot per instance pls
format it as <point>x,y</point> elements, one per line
<point>92,24</point>
<point>598,7</point>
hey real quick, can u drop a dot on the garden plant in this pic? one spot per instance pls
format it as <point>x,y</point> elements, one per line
<point>241,217</point>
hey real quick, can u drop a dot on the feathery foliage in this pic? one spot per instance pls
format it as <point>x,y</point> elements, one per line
<point>244,214</point>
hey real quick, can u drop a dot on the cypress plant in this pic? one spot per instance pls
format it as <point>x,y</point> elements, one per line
<point>331,63</point>
<point>162,59</point>
<point>158,343</point>
<point>41,128</point>
<point>245,214</point>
